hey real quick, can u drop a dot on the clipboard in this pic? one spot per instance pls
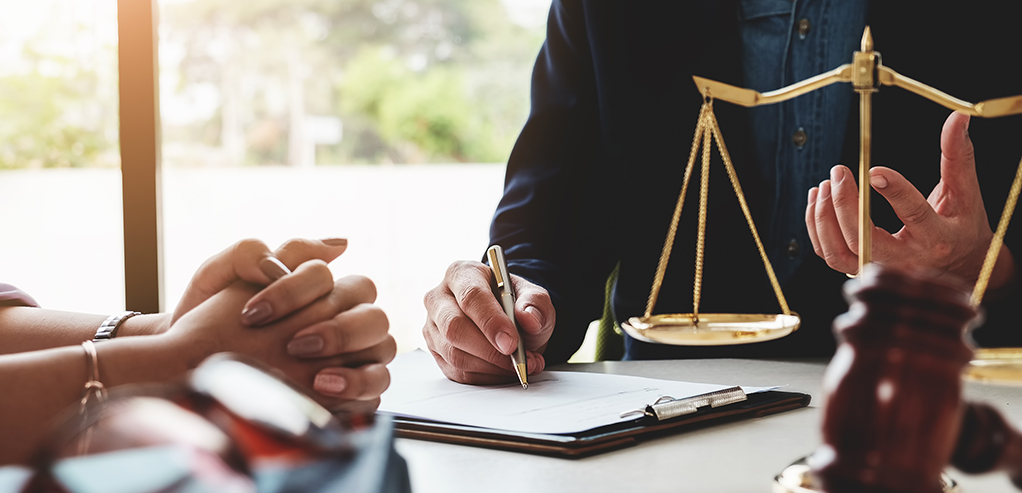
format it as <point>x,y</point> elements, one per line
<point>664,417</point>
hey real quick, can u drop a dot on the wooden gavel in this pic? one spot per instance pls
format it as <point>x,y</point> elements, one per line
<point>893,412</point>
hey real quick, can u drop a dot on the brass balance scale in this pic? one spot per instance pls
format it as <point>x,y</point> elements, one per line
<point>866,74</point>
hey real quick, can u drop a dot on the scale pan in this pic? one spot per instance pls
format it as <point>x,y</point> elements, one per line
<point>713,329</point>
<point>1000,365</point>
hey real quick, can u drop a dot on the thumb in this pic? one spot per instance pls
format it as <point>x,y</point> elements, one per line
<point>534,312</point>
<point>910,205</point>
<point>957,157</point>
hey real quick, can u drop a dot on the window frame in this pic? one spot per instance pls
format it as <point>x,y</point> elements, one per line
<point>139,110</point>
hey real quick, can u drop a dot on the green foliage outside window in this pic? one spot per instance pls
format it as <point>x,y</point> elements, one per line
<point>410,81</point>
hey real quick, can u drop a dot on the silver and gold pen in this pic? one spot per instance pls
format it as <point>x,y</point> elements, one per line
<point>506,296</point>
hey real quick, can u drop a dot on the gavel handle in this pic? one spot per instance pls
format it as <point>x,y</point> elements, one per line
<point>986,443</point>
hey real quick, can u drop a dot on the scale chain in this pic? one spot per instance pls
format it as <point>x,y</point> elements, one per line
<point>665,254</point>
<point>707,128</point>
<point>997,240</point>
<point>704,192</point>
<point>726,157</point>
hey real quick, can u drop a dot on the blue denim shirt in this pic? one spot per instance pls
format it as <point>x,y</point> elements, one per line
<point>797,142</point>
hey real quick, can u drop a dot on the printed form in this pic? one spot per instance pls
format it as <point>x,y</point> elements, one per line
<point>556,402</point>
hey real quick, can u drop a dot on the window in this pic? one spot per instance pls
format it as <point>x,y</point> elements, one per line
<point>386,122</point>
<point>60,187</point>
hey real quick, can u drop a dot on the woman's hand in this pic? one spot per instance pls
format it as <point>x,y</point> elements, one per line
<point>355,378</point>
<point>252,261</point>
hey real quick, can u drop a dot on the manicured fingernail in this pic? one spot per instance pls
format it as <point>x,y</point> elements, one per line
<point>257,313</point>
<point>531,310</point>
<point>305,346</point>
<point>273,268</point>
<point>811,192</point>
<point>836,175</point>
<point>505,343</point>
<point>335,241</point>
<point>878,180</point>
<point>329,384</point>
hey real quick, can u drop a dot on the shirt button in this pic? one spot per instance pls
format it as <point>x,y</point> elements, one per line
<point>803,28</point>
<point>799,138</point>
<point>793,248</point>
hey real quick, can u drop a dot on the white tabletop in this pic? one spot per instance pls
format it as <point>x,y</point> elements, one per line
<point>741,456</point>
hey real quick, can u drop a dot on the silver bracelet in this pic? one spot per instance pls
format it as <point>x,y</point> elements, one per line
<point>109,327</point>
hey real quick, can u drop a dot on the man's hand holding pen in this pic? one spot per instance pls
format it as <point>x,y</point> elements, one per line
<point>469,334</point>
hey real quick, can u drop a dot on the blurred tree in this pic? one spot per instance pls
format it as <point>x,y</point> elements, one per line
<point>58,106</point>
<point>413,81</point>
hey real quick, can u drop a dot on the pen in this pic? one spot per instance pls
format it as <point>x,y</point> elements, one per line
<point>506,295</point>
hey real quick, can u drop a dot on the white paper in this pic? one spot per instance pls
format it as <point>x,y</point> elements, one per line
<point>555,402</point>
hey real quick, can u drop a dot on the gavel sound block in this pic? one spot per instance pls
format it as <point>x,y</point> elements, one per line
<point>893,413</point>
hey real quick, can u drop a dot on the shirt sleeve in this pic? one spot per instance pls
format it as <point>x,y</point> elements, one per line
<point>551,220</point>
<point>12,296</point>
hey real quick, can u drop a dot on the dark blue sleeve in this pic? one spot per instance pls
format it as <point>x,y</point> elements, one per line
<point>552,218</point>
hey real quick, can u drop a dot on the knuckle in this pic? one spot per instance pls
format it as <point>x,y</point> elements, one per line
<point>376,318</point>
<point>362,285</point>
<point>359,385</point>
<point>462,376</point>
<point>914,214</point>
<point>295,244</point>
<point>942,251</point>
<point>428,329</point>
<point>341,336</point>
<point>542,298</point>
<point>454,268</point>
<point>320,269</point>
<point>249,245</point>
<point>451,372</point>
<point>384,381</point>
<point>458,359</point>
<point>389,349</point>
<point>843,201</point>
<point>290,246</point>
<point>431,298</point>
<point>474,294</point>
<point>493,319</point>
<point>457,267</point>
<point>833,260</point>
<point>287,292</point>
<point>455,330</point>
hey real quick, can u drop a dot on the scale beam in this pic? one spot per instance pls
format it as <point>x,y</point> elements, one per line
<point>750,98</point>
<point>991,108</point>
<point>866,73</point>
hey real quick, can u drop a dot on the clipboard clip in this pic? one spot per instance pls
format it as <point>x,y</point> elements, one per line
<point>667,407</point>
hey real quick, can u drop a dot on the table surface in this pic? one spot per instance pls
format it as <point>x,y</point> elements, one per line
<point>741,456</point>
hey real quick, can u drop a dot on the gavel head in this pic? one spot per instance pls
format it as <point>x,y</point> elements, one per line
<point>892,392</point>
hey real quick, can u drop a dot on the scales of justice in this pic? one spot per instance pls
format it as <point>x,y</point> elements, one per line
<point>866,73</point>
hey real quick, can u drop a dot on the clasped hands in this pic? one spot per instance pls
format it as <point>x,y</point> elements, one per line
<point>325,335</point>
<point>947,232</point>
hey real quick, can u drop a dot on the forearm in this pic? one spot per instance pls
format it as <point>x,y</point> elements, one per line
<point>32,329</point>
<point>38,386</point>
